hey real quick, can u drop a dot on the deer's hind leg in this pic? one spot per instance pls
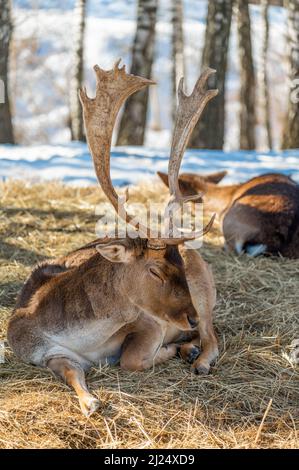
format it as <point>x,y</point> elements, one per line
<point>73,375</point>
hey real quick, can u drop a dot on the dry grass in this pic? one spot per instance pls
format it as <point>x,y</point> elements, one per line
<point>256,319</point>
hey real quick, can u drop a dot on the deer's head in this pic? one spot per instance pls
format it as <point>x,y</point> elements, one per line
<point>152,272</point>
<point>155,282</point>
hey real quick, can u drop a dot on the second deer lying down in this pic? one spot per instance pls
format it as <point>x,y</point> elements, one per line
<point>258,216</point>
<point>127,300</point>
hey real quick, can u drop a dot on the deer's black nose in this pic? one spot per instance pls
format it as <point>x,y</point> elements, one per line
<point>192,322</point>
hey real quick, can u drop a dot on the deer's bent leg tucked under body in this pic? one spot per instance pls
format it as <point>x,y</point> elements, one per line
<point>144,348</point>
<point>73,375</point>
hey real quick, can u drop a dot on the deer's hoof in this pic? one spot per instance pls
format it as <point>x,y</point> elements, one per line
<point>193,354</point>
<point>89,405</point>
<point>199,369</point>
<point>188,352</point>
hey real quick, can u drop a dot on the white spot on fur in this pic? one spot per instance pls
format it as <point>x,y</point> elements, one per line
<point>91,343</point>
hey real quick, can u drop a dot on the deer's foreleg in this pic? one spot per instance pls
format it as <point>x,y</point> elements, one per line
<point>201,285</point>
<point>203,351</point>
<point>74,376</point>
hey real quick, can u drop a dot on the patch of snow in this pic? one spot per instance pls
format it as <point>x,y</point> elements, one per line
<point>72,164</point>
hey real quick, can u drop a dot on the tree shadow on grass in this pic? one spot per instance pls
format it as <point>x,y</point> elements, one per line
<point>12,253</point>
<point>47,220</point>
<point>9,292</point>
<point>41,213</point>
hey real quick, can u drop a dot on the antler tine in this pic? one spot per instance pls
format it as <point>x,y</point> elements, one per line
<point>193,236</point>
<point>189,111</point>
<point>113,87</point>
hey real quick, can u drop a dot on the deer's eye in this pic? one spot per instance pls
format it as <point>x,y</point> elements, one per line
<point>157,274</point>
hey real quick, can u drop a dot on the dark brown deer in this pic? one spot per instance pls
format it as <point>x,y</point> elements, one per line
<point>127,300</point>
<point>259,216</point>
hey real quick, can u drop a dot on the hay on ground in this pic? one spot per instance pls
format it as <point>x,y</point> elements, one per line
<point>251,397</point>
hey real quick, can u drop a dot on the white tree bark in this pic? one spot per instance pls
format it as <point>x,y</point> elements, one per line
<point>6,128</point>
<point>264,82</point>
<point>291,131</point>
<point>76,119</point>
<point>248,82</point>
<point>178,62</point>
<point>209,132</point>
<point>133,121</point>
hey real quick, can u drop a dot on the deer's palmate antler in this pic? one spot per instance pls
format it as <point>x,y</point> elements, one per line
<point>113,87</point>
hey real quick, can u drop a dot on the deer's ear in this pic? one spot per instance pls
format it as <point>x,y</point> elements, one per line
<point>215,177</point>
<point>164,177</point>
<point>188,183</point>
<point>117,251</point>
<point>191,183</point>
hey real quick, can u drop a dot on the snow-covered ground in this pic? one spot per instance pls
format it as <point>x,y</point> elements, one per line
<point>41,64</point>
<point>72,163</point>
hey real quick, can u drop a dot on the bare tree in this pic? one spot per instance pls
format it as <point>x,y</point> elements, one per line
<point>209,133</point>
<point>247,93</point>
<point>133,122</point>
<point>178,63</point>
<point>291,130</point>
<point>270,2</point>
<point>76,120</point>
<point>264,74</point>
<point>6,128</point>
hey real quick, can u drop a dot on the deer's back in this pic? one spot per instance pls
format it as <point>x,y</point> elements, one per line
<point>265,211</point>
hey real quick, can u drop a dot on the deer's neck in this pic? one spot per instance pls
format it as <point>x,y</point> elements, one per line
<point>218,198</point>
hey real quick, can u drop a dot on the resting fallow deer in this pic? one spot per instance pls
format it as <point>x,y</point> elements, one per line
<point>258,216</point>
<point>120,300</point>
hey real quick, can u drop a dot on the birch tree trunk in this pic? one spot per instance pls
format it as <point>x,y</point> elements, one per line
<point>247,93</point>
<point>133,121</point>
<point>264,74</point>
<point>76,118</point>
<point>178,63</point>
<point>291,131</point>
<point>6,128</point>
<point>209,132</point>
